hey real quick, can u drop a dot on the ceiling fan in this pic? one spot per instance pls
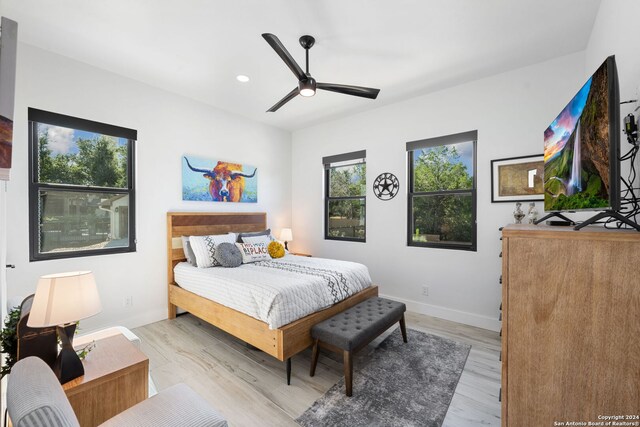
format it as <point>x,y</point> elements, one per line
<point>307,85</point>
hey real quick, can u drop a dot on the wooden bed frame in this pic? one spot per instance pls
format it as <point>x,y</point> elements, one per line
<point>281,343</point>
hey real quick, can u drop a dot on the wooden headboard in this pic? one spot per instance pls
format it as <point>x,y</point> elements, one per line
<point>203,223</point>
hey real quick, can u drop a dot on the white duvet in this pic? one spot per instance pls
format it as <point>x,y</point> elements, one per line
<point>279,291</point>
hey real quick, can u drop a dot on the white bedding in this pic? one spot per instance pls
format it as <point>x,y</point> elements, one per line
<point>279,291</point>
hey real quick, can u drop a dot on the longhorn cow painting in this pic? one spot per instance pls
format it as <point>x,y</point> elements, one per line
<point>218,181</point>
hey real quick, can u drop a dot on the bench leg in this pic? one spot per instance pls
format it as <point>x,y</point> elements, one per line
<point>314,358</point>
<point>289,371</point>
<point>348,371</point>
<point>403,328</point>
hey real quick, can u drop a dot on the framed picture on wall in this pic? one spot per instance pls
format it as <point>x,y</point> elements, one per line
<point>210,180</point>
<point>517,179</point>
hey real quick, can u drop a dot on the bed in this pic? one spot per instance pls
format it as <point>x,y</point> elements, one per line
<point>281,342</point>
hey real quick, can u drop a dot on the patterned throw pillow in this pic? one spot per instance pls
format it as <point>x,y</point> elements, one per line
<point>252,252</point>
<point>228,255</point>
<point>204,248</point>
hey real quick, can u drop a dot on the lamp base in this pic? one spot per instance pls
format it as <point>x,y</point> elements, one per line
<point>285,246</point>
<point>68,365</point>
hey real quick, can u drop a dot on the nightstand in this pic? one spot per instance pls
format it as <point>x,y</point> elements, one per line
<point>300,254</point>
<point>115,378</point>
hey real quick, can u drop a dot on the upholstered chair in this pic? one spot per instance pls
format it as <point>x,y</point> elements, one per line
<point>35,398</point>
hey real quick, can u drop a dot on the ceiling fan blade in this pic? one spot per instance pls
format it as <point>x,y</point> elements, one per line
<point>364,92</point>
<point>275,43</point>
<point>283,101</point>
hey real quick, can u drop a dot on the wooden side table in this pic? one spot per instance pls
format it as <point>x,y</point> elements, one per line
<point>300,254</point>
<point>115,378</point>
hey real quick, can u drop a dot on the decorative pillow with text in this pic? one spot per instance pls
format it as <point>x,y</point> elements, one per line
<point>252,252</point>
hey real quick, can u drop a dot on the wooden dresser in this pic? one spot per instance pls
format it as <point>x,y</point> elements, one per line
<point>571,324</point>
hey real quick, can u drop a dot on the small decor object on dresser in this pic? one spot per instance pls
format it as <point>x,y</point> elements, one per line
<point>517,179</point>
<point>518,215</point>
<point>218,181</point>
<point>386,186</point>
<point>532,215</point>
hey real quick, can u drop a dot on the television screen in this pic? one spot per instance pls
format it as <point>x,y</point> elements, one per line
<point>581,166</point>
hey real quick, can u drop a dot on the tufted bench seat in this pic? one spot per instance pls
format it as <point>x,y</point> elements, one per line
<point>354,328</point>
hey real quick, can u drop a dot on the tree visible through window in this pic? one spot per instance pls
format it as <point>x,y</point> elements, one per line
<point>442,192</point>
<point>345,196</point>
<point>81,192</point>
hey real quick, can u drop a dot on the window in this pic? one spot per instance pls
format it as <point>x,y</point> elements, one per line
<point>442,192</point>
<point>81,187</point>
<point>345,196</point>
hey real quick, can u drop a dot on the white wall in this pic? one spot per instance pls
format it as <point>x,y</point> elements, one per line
<point>168,127</point>
<point>510,112</point>
<point>616,31</point>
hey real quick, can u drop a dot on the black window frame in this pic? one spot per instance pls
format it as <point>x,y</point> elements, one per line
<point>470,136</point>
<point>36,116</point>
<point>327,162</point>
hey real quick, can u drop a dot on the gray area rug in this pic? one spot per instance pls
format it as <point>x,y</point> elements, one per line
<point>400,385</point>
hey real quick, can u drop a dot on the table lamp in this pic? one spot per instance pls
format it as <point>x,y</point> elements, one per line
<point>286,236</point>
<point>61,300</point>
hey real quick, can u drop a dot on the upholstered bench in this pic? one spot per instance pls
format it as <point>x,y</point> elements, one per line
<point>354,328</point>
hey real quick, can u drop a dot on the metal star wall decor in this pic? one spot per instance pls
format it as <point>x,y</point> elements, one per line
<point>386,186</point>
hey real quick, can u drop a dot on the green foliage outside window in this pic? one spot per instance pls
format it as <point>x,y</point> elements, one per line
<point>440,169</point>
<point>442,211</point>
<point>76,217</point>
<point>99,162</point>
<point>347,181</point>
<point>346,204</point>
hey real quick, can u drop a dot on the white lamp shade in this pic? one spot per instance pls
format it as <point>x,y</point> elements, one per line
<point>286,235</point>
<point>64,298</point>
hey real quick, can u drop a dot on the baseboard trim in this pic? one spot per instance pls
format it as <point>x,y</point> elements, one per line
<point>484,322</point>
<point>146,318</point>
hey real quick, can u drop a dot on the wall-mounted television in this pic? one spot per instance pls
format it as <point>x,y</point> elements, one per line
<point>581,148</point>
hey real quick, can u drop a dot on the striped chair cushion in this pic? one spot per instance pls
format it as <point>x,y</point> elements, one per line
<point>35,397</point>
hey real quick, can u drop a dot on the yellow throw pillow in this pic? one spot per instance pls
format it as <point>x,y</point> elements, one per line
<point>276,250</point>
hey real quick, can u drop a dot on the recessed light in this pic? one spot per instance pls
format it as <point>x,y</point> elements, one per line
<point>242,78</point>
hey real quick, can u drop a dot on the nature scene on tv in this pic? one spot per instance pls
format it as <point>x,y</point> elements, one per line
<point>576,150</point>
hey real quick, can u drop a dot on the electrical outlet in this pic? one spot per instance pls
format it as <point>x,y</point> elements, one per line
<point>425,291</point>
<point>128,301</point>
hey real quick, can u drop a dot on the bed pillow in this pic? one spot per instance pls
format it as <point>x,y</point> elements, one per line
<point>228,255</point>
<point>252,252</point>
<point>204,248</point>
<point>241,236</point>
<point>276,250</point>
<point>266,239</point>
<point>188,251</point>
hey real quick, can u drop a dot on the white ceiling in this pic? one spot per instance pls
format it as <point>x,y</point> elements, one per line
<point>404,47</point>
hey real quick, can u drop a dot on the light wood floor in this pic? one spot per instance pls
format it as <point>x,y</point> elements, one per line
<point>248,387</point>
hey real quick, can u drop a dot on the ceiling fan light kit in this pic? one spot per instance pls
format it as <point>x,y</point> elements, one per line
<point>307,85</point>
